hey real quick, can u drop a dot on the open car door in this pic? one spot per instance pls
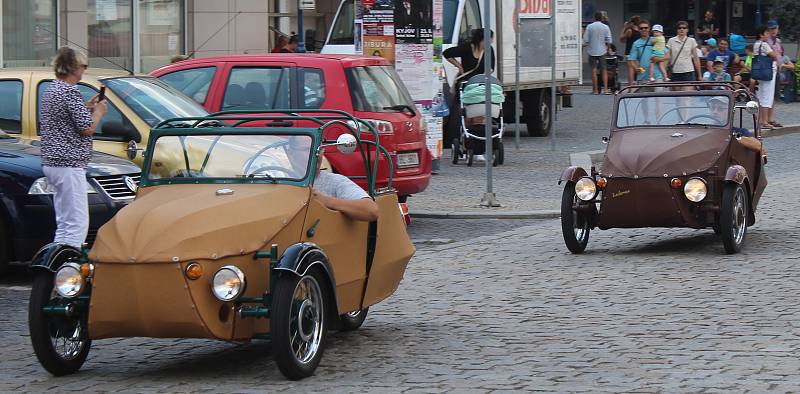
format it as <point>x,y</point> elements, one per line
<point>393,250</point>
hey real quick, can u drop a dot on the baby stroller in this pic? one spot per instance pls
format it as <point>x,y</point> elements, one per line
<point>612,67</point>
<point>472,140</point>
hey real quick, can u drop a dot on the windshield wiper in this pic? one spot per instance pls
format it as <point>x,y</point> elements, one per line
<point>402,108</point>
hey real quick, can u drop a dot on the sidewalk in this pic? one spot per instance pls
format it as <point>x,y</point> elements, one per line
<point>527,184</point>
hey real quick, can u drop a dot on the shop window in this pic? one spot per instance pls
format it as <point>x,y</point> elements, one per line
<point>110,34</point>
<point>29,33</point>
<point>160,29</point>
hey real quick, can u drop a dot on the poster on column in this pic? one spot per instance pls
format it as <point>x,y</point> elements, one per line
<point>413,21</point>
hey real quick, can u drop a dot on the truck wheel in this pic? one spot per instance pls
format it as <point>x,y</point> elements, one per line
<point>574,224</point>
<point>298,324</point>
<point>536,108</point>
<point>353,320</point>
<point>733,217</point>
<point>60,343</point>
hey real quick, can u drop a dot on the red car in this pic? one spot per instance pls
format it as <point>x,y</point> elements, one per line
<point>366,87</point>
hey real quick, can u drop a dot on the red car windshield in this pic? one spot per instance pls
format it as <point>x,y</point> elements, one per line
<point>377,89</point>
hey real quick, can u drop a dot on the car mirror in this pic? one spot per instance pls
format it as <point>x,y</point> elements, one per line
<point>604,140</point>
<point>120,130</point>
<point>346,143</point>
<point>751,107</point>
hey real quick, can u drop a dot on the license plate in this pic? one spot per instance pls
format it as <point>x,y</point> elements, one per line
<point>405,160</point>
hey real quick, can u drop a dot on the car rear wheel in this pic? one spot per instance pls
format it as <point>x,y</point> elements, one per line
<point>574,224</point>
<point>60,342</point>
<point>733,217</point>
<point>298,324</point>
<point>353,320</point>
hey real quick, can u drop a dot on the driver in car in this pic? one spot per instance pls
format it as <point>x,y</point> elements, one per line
<point>718,109</point>
<point>335,191</point>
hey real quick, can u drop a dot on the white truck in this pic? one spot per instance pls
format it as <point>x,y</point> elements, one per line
<point>460,17</point>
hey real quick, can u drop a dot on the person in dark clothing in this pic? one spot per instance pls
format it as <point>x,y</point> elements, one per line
<point>707,28</point>
<point>471,56</point>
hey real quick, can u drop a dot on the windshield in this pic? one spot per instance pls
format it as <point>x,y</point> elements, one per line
<point>270,158</point>
<point>342,32</point>
<point>709,110</point>
<point>378,89</point>
<point>153,100</point>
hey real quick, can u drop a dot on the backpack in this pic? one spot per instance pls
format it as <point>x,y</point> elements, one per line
<point>737,43</point>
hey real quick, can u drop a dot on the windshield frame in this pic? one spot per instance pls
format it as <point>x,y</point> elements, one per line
<point>307,181</point>
<point>163,85</point>
<point>668,94</point>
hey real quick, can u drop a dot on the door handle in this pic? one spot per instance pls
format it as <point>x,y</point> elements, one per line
<point>281,123</point>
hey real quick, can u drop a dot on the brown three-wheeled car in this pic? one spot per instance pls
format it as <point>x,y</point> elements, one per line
<point>679,155</point>
<point>231,245</point>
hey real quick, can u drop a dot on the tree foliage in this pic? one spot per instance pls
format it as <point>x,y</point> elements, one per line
<point>787,13</point>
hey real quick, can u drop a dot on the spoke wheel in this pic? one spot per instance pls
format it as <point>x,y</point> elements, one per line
<point>352,320</point>
<point>733,218</point>
<point>60,343</point>
<point>574,224</point>
<point>298,324</point>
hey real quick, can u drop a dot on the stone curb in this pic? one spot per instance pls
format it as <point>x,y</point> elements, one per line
<point>791,129</point>
<point>488,214</point>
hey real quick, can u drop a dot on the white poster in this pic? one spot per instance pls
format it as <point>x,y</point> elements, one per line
<point>172,42</point>
<point>105,10</point>
<point>414,64</point>
<point>162,14</point>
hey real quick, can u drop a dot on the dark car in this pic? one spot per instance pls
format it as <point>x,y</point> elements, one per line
<point>27,220</point>
<point>675,158</point>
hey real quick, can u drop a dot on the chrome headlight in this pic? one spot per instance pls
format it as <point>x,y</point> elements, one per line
<point>585,189</point>
<point>68,281</point>
<point>695,190</point>
<point>228,283</point>
<point>42,186</point>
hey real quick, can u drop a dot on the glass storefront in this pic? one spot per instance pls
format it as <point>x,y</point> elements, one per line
<point>110,33</point>
<point>29,32</point>
<point>733,16</point>
<point>160,29</point>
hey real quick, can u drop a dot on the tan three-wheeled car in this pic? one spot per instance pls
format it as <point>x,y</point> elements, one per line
<point>232,246</point>
<point>676,157</point>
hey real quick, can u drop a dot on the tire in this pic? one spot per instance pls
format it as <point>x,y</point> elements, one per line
<point>495,157</point>
<point>298,348</point>
<point>501,153</point>
<point>574,224</point>
<point>43,327</point>
<point>5,248</point>
<point>455,150</point>
<point>537,113</point>
<point>352,321</point>
<point>733,217</point>
<point>470,157</point>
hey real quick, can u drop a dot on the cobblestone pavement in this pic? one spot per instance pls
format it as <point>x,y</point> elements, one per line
<point>647,310</point>
<point>529,179</point>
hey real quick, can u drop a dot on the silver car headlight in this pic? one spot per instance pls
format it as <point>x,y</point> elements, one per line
<point>586,189</point>
<point>228,283</point>
<point>42,186</point>
<point>68,281</point>
<point>695,190</point>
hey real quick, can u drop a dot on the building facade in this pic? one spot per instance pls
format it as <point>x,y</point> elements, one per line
<point>141,35</point>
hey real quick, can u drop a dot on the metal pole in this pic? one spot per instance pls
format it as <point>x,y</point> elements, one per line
<point>301,44</point>
<point>517,39</point>
<point>488,199</point>
<point>758,12</point>
<point>553,76</point>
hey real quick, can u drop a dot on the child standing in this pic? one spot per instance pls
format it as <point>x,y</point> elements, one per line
<point>659,51</point>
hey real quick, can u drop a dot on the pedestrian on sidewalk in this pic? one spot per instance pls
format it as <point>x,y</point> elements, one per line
<point>775,42</point>
<point>682,55</point>
<point>642,53</point>
<point>67,125</point>
<point>630,33</point>
<point>766,89</point>
<point>597,38</point>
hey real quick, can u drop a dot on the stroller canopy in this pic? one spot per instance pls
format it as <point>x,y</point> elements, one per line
<point>475,93</point>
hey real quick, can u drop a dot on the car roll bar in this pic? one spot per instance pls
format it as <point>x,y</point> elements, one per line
<point>726,85</point>
<point>322,118</point>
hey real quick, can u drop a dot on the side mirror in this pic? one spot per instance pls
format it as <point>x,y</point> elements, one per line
<point>346,143</point>
<point>126,132</point>
<point>751,107</point>
<point>604,140</point>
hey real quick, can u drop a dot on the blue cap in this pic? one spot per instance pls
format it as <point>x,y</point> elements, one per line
<point>772,23</point>
<point>712,42</point>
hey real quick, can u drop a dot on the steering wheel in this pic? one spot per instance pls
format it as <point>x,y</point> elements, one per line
<point>680,115</point>
<point>700,116</point>
<point>264,170</point>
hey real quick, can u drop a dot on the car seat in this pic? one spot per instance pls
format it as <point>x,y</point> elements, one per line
<point>255,97</point>
<point>234,96</point>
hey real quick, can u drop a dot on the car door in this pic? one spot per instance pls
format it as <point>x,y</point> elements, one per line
<point>393,250</point>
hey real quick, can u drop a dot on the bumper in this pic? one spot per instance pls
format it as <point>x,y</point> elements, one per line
<point>34,221</point>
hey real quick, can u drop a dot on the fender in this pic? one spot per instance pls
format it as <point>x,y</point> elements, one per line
<point>572,174</point>
<point>51,256</point>
<point>300,257</point>
<point>736,173</point>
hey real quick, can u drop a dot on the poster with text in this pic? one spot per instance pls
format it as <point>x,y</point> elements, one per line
<point>414,64</point>
<point>413,21</point>
<point>382,46</point>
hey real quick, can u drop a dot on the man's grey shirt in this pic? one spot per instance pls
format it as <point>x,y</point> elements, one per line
<point>338,186</point>
<point>597,35</point>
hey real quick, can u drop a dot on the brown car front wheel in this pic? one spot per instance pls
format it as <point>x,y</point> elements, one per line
<point>574,224</point>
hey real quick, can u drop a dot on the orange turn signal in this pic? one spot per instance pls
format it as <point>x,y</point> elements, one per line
<point>601,183</point>
<point>194,271</point>
<point>86,270</point>
<point>676,183</point>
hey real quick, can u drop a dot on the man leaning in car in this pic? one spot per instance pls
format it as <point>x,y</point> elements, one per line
<point>718,108</point>
<point>335,191</point>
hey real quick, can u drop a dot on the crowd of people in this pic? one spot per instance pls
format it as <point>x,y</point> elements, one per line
<point>705,56</point>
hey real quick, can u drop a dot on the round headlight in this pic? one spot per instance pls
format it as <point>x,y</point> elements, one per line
<point>68,281</point>
<point>585,189</point>
<point>695,190</point>
<point>228,283</point>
